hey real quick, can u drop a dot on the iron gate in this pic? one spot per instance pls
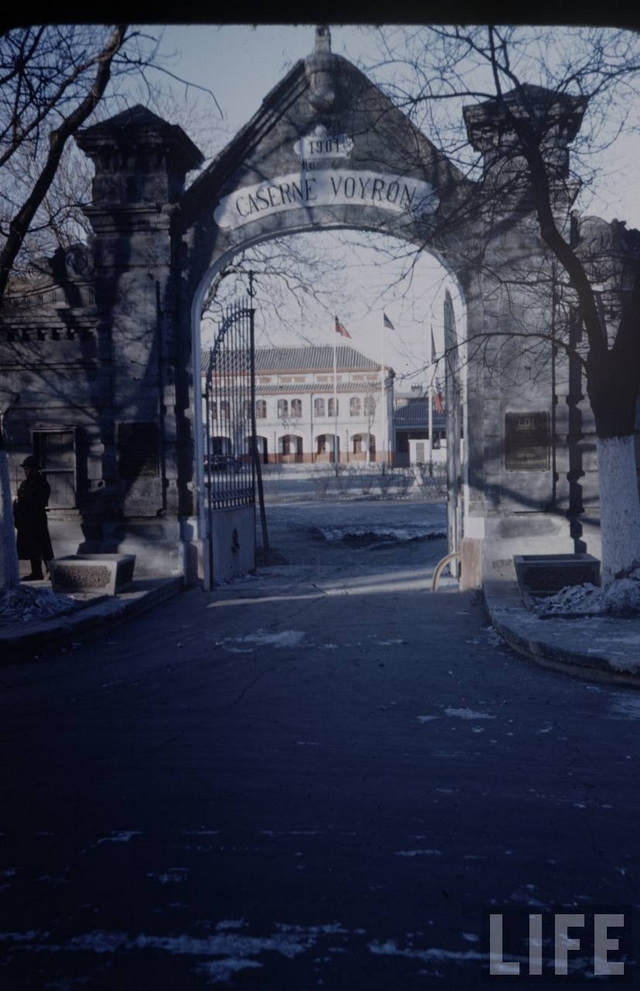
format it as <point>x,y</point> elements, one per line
<point>231,464</point>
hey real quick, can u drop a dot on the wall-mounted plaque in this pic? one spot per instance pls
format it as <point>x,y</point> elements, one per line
<point>526,442</point>
<point>138,450</point>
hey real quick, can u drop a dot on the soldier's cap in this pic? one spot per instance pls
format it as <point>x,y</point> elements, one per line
<point>30,462</point>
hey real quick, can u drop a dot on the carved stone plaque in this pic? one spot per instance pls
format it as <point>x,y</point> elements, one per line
<point>526,442</point>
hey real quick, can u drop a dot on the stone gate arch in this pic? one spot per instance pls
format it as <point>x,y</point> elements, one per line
<point>327,149</point>
<point>453,374</point>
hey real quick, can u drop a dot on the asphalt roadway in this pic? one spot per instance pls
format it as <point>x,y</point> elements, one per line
<point>323,776</point>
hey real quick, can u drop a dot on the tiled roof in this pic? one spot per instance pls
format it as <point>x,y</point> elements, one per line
<point>312,359</point>
<point>271,361</point>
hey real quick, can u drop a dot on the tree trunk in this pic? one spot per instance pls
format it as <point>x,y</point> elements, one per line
<point>9,573</point>
<point>619,506</point>
<point>612,387</point>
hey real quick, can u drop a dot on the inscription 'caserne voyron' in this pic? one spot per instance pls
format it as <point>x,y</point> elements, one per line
<point>326,187</point>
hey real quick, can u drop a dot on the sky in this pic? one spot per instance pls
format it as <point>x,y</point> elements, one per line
<point>240,64</point>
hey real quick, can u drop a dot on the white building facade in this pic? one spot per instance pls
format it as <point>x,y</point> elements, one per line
<point>314,405</point>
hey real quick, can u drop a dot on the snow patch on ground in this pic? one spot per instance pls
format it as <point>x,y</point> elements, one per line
<point>619,598</point>
<point>418,853</point>
<point>223,954</point>
<point>457,714</point>
<point>201,832</point>
<point>390,948</point>
<point>27,604</point>
<point>227,945</point>
<point>467,714</point>
<point>221,971</point>
<point>173,875</point>
<point>625,707</point>
<point>374,533</point>
<point>288,638</point>
<point>119,836</point>
<point>525,896</point>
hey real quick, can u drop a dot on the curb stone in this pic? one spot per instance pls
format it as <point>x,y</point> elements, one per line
<point>561,643</point>
<point>91,617</point>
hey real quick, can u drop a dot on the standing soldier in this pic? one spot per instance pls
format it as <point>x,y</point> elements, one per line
<point>30,516</point>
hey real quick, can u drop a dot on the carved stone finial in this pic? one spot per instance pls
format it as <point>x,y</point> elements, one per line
<point>322,72</point>
<point>323,39</point>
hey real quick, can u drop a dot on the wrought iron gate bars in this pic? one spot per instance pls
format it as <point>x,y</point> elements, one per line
<point>229,469</point>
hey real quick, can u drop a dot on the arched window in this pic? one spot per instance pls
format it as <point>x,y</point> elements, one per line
<point>224,409</point>
<point>318,406</point>
<point>325,444</point>
<point>362,442</point>
<point>369,406</point>
<point>291,444</point>
<point>296,407</point>
<point>333,407</point>
<point>283,408</point>
<point>261,409</point>
<point>355,406</point>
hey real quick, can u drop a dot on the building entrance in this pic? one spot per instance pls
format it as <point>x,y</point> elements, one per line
<point>119,324</point>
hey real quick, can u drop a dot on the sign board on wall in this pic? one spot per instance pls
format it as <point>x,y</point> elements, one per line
<point>326,187</point>
<point>527,442</point>
<point>323,178</point>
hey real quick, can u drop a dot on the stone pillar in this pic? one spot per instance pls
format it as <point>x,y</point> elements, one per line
<point>522,468</point>
<point>140,162</point>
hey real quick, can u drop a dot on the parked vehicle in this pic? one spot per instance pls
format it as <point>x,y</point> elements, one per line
<point>223,462</point>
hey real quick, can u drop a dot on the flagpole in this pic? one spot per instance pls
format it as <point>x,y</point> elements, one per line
<point>383,407</point>
<point>335,404</point>
<point>430,406</point>
<point>342,330</point>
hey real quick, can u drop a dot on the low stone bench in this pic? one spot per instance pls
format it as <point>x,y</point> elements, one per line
<point>106,574</point>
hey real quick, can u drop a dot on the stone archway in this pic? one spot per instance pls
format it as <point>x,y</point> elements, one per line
<point>327,149</point>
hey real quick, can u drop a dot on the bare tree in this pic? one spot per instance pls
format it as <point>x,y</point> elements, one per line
<point>51,83</point>
<point>535,81</point>
<point>294,276</point>
<point>53,80</point>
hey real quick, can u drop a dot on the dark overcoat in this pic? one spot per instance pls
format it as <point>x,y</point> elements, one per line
<point>30,517</point>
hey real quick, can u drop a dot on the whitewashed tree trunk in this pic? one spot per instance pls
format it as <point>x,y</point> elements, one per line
<point>619,506</point>
<point>9,573</point>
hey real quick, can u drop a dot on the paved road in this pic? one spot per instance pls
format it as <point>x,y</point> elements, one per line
<point>324,776</point>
